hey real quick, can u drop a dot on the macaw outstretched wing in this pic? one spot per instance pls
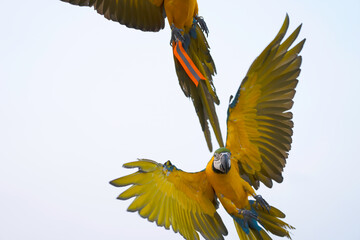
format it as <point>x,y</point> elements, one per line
<point>145,15</point>
<point>169,196</point>
<point>259,125</point>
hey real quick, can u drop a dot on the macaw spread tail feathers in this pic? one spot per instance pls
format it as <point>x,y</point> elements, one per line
<point>203,95</point>
<point>268,220</point>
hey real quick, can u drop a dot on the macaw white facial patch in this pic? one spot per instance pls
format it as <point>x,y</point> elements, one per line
<point>222,161</point>
<point>217,162</point>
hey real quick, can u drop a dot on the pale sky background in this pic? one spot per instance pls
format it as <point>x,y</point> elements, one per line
<point>80,96</point>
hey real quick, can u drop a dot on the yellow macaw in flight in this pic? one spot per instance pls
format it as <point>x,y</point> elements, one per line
<point>259,130</point>
<point>187,27</point>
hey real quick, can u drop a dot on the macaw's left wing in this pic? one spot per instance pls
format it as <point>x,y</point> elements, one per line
<point>169,196</point>
<point>145,15</point>
<point>259,125</point>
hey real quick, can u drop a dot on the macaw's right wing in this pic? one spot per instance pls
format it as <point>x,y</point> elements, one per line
<point>145,15</point>
<point>259,118</point>
<point>169,196</point>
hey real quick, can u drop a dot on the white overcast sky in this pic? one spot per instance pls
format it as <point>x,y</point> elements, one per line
<point>80,95</point>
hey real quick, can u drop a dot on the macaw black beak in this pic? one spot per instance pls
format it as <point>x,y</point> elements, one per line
<point>225,162</point>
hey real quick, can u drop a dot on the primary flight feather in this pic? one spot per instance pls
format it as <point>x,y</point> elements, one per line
<point>259,130</point>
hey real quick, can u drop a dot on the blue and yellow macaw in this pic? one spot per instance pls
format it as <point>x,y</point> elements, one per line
<point>259,131</point>
<point>187,28</point>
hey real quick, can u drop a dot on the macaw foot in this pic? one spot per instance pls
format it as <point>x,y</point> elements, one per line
<point>260,201</point>
<point>248,217</point>
<point>176,34</point>
<point>247,214</point>
<point>202,24</point>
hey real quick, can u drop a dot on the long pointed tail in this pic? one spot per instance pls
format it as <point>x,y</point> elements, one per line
<point>203,95</point>
<point>269,221</point>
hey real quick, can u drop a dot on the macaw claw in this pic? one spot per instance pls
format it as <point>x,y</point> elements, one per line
<point>247,214</point>
<point>261,201</point>
<point>176,34</point>
<point>202,24</point>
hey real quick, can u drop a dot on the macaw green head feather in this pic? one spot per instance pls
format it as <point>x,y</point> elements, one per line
<point>222,149</point>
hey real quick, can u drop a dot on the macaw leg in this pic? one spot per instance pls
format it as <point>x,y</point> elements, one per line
<point>230,207</point>
<point>261,201</point>
<point>176,34</point>
<point>200,20</point>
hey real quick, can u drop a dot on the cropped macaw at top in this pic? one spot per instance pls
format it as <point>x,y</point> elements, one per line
<point>259,131</point>
<point>193,62</point>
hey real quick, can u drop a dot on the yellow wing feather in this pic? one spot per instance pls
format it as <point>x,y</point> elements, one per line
<point>145,15</point>
<point>169,196</point>
<point>259,122</point>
